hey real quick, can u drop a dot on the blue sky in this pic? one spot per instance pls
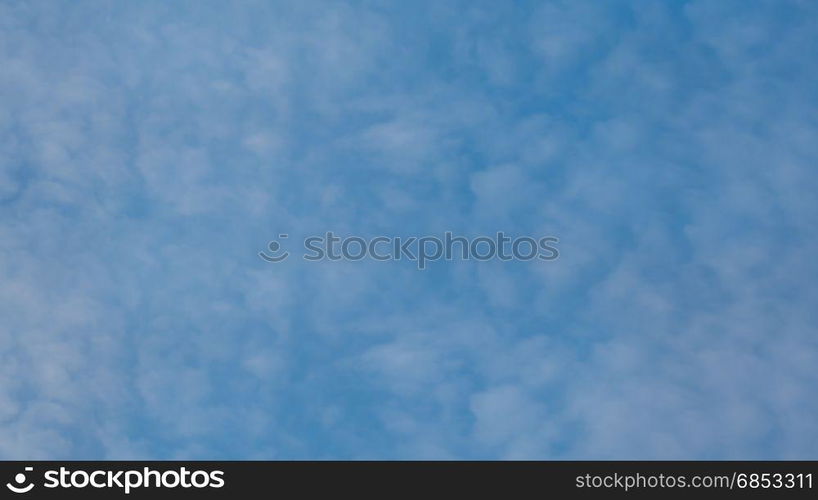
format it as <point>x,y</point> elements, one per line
<point>149,150</point>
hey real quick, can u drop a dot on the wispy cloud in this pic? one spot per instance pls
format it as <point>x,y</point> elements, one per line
<point>148,152</point>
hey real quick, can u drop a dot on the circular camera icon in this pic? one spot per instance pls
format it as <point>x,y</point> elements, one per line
<point>274,246</point>
<point>20,479</point>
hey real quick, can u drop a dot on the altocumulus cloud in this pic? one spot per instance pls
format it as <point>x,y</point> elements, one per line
<point>149,150</point>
